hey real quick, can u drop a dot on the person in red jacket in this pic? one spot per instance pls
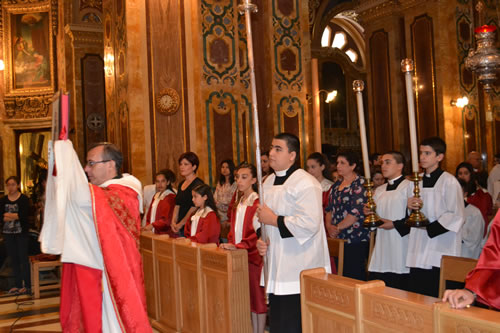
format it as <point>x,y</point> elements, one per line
<point>160,211</point>
<point>203,226</point>
<point>482,284</point>
<point>479,197</point>
<point>242,235</point>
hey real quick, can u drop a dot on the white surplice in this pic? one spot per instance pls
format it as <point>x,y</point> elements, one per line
<point>299,200</point>
<point>444,202</point>
<point>389,254</point>
<point>472,232</point>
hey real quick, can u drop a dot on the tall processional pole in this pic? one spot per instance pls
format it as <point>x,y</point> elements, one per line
<point>247,7</point>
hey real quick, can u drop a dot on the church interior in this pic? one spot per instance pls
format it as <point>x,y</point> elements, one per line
<point>162,77</point>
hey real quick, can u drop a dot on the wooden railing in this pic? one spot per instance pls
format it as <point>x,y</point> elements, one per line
<point>332,303</point>
<point>193,287</point>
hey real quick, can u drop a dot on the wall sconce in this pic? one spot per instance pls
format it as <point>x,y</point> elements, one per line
<point>460,102</point>
<point>2,65</point>
<point>330,95</point>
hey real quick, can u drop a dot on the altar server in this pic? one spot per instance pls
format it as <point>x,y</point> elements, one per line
<point>160,211</point>
<point>473,229</point>
<point>203,226</point>
<point>443,204</point>
<point>293,219</point>
<point>242,235</point>
<point>388,262</point>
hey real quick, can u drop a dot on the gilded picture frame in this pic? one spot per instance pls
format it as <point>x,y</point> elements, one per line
<point>28,49</point>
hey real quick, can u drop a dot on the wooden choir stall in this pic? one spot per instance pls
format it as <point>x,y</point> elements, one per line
<point>195,287</point>
<point>333,303</point>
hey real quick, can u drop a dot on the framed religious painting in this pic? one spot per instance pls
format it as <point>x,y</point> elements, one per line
<point>28,48</point>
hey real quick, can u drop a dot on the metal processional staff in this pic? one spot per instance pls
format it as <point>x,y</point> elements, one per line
<point>246,7</point>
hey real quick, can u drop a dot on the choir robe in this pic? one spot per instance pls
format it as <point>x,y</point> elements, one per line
<point>482,200</point>
<point>160,212</point>
<point>472,232</point>
<point>299,241</point>
<point>443,202</point>
<point>203,227</point>
<point>484,279</point>
<point>96,231</point>
<point>243,235</point>
<point>389,254</point>
<point>326,187</point>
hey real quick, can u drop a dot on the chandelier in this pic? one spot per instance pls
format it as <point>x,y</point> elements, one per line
<point>485,59</point>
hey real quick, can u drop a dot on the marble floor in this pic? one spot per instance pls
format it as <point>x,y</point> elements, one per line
<point>22,313</point>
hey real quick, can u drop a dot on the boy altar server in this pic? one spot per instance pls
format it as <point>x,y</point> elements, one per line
<point>388,262</point>
<point>443,204</point>
<point>293,216</point>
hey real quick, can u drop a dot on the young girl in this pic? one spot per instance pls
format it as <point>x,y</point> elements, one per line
<point>317,165</point>
<point>223,194</point>
<point>203,226</point>
<point>160,211</point>
<point>243,236</point>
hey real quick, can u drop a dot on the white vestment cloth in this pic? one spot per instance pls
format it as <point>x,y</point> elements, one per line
<point>299,200</point>
<point>389,254</point>
<point>444,202</point>
<point>68,227</point>
<point>472,232</point>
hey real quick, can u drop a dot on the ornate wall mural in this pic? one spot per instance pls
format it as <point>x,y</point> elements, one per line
<point>226,81</point>
<point>287,45</point>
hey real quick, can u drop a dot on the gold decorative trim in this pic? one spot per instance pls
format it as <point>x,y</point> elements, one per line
<point>168,101</point>
<point>27,106</point>
<point>10,8</point>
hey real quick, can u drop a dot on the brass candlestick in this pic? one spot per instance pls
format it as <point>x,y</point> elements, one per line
<point>372,220</point>
<point>417,219</point>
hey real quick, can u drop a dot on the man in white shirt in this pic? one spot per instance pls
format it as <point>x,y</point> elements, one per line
<point>292,215</point>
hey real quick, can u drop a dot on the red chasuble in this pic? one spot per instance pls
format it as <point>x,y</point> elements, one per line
<point>484,280</point>
<point>117,222</point>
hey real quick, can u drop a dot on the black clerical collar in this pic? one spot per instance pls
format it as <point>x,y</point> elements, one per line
<point>280,180</point>
<point>394,183</point>
<point>431,179</point>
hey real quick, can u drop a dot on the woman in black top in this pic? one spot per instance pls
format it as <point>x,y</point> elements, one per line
<point>184,207</point>
<point>14,210</point>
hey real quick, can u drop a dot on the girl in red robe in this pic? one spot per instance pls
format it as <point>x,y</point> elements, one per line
<point>203,226</point>
<point>160,211</point>
<point>242,235</point>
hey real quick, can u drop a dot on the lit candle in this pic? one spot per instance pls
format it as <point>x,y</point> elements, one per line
<point>358,87</point>
<point>485,28</point>
<point>407,68</point>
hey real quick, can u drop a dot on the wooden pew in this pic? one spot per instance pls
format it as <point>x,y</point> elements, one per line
<point>454,269</point>
<point>195,287</point>
<point>146,242</point>
<point>332,303</point>
<point>167,293</point>
<point>336,249</point>
<point>473,319</point>
<point>225,290</point>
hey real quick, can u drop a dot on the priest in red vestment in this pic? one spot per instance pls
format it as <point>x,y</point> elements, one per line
<point>483,282</point>
<point>95,227</point>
